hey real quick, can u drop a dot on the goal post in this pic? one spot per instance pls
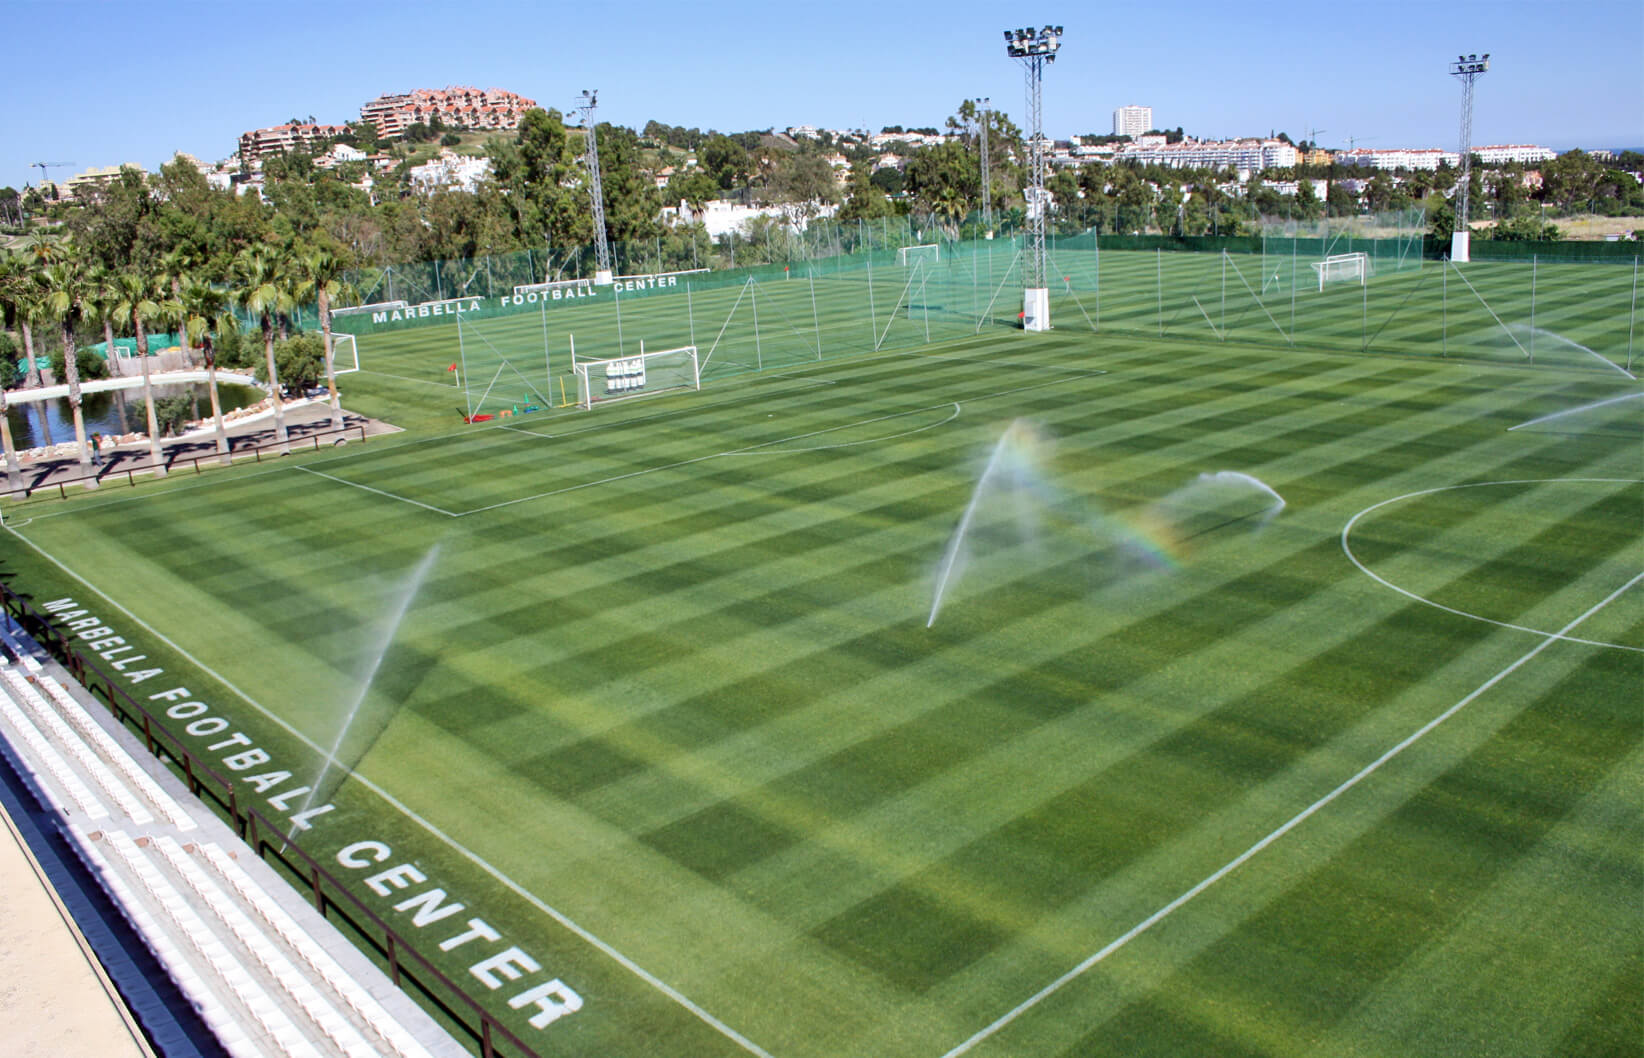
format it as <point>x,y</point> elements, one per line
<point>929,253</point>
<point>644,375</point>
<point>1343,267</point>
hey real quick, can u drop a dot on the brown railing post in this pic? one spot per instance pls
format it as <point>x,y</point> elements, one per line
<point>188,770</point>
<point>148,734</point>
<point>319,897</point>
<point>393,961</point>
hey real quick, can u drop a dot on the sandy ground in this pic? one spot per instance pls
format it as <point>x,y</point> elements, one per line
<point>54,997</point>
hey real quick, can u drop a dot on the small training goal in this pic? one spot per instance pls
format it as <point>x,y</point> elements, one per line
<point>929,253</point>
<point>1343,267</point>
<point>644,375</point>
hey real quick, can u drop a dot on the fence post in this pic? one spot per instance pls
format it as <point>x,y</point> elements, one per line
<point>1632,314</point>
<point>1534,258</point>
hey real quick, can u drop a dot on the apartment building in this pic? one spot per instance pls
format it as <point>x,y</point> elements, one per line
<point>457,107</point>
<point>278,139</point>
<point>1132,120</point>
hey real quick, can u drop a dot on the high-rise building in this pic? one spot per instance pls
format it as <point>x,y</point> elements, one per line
<point>1132,120</point>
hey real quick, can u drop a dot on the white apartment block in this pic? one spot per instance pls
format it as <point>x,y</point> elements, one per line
<point>451,171</point>
<point>1500,153</point>
<point>1398,158</point>
<point>1250,154</point>
<point>1132,120</point>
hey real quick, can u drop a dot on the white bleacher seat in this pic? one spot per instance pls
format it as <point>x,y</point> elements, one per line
<point>227,972</point>
<point>279,968</point>
<point>376,1018</point>
<point>116,755</point>
<point>51,724</point>
<point>41,750</point>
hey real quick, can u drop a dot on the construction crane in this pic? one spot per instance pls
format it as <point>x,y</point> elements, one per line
<point>43,166</point>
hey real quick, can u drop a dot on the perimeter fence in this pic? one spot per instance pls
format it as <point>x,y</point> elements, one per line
<point>842,290</point>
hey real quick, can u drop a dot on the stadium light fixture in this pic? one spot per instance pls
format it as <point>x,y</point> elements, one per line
<point>1467,68</point>
<point>1033,48</point>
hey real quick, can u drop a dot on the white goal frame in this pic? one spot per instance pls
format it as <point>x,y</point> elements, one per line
<point>338,365</point>
<point>628,377</point>
<point>1343,266</point>
<point>934,255</point>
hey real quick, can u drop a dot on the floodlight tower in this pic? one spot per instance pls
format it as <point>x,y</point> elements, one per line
<point>1033,48</point>
<point>1468,68</point>
<point>987,184</point>
<point>602,249</point>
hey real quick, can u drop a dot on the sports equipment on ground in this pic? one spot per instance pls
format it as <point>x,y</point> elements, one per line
<point>1342,266</point>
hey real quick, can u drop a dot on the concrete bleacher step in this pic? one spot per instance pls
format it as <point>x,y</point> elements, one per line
<point>44,756</point>
<point>115,756</point>
<point>47,719</point>
<point>204,952</point>
<point>290,978</point>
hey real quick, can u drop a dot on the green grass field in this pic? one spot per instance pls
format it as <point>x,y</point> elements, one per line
<point>1159,779</point>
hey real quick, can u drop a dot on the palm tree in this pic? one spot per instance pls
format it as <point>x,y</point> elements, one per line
<point>20,294</point>
<point>103,302</point>
<point>261,289</point>
<point>136,303</point>
<point>176,267</point>
<point>203,306</point>
<point>65,296</point>
<point>324,274</point>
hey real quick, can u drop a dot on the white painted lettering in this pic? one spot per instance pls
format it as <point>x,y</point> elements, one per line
<point>553,1001</point>
<point>209,725</point>
<point>186,710</point>
<point>429,907</point>
<point>249,759</point>
<point>267,780</point>
<point>510,963</point>
<point>478,929</point>
<point>350,854</point>
<point>301,819</point>
<point>396,877</point>
<point>282,801</point>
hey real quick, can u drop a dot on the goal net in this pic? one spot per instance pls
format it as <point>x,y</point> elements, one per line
<point>1343,267</point>
<point>929,253</point>
<point>625,377</point>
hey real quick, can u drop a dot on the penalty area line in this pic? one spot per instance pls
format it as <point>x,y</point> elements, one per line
<point>1292,823</point>
<point>379,492</point>
<point>525,894</point>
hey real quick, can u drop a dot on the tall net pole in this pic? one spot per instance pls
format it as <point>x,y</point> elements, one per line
<point>987,183</point>
<point>1467,69</point>
<point>1033,49</point>
<point>602,248</point>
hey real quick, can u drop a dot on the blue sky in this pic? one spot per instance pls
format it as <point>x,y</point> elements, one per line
<point>105,83</point>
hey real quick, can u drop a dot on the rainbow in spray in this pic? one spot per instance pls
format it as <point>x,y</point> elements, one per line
<point>1014,497</point>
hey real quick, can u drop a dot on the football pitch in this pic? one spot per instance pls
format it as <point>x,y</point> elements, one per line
<point>659,693</point>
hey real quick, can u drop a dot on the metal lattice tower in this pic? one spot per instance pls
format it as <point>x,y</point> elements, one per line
<point>1033,49</point>
<point>1467,68</point>
<point>987,184</point>
<point>602,248</point>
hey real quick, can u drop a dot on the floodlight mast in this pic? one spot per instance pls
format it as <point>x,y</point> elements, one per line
<point>1466,68</point>
<point>1033,48</point>
<point>602,248</point>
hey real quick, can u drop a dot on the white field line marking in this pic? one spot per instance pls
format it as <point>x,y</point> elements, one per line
<point>1572,411</point>
<point>137,496</point>
<point>1384,582</point>
<point>1292,823</point>
<point>408,378</point>
<point>380,492</point>
<point>748,448</point>
<point>954,414</point>
<point>456,846</point>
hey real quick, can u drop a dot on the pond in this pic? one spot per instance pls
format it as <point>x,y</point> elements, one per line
<point>35,424</point>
